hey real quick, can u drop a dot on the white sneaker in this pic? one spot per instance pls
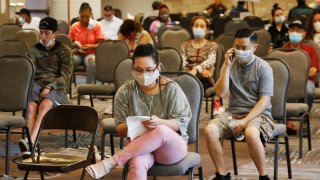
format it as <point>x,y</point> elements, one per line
<point>101,169</point>
<point>86,97</point>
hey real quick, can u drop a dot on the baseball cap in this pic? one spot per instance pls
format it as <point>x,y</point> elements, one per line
<point>48,23</point>
<point>23,11</point>
<point>299,22</point>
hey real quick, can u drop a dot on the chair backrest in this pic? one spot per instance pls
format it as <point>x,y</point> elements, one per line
<point>254,22</point>
<point>170,58</point>
<point>226,40</point>
<point>219,61</point>
<point>299,63</point>
<point>281,79</point>
<point>123,73</point>
<point>64,39</point>
<point>218,24</point>
<point>148,21</point>
<point>193,90</point>
<point>234,26</point>
<point>173,38</point>
<point>263,41</point>
<point>13,47</point>
<point>63,27</point>
<point>108,55</point>
<point>8,31</point>
<point>71,117</point>
<point>16,76</point>
<point>30,36</point>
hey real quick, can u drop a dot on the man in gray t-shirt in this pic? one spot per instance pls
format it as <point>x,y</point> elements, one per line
<point>249,79</point>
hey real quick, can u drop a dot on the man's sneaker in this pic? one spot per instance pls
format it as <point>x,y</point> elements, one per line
<point>265,177</point>
<point>221,177</point>
<point>23,145</point>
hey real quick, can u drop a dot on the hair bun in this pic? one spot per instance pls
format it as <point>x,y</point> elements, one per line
<point>276,5</point>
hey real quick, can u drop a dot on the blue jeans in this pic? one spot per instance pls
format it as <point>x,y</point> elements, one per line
<point>90,65</point>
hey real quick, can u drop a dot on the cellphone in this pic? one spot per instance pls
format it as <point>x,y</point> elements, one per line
<point>232,56</point>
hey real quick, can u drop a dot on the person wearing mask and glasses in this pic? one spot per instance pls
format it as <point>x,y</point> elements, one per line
<point>168,114</point>
<point>199,54</point>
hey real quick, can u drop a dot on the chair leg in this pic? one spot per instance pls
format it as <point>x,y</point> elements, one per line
<point>74,135</point>
<point>190,174</point>
<point>79,99</point>
<point>42,175</point>
<point>301,136</point>
<point>111,144</point>
<point>26,175</point>
<point>276,148</point>
<point>103,136</point>
<point>91,101</point>
<point>207,104</point>
<point>234,157</point>
<point>212,107</point>
<point>65,138</point>
<point>124,173</point>
<point>288,157</point>
<point>200,173</point>
<point>7,168</point>
<point>121,143</point>
<point>309,132</point>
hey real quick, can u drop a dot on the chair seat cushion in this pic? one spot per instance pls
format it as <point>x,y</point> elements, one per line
<point>94,89</point>
<point>279,129</point>
<point>6,121</point>
<point>316,93</point>
<point>108,125</point>
<point>191,160</point>
<point>210,92</point>
<point>59,160</point>
<point>296,109</point>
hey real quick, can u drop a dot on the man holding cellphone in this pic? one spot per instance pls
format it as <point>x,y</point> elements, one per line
<point>250,82</point>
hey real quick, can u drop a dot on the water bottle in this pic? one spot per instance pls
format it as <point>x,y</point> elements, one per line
<point>232,123</point>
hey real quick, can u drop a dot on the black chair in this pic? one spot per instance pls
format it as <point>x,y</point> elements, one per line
<point>218,23</point>
<point>16,76</point>
<point>254,22</point>
<point>193,90</point>
<point>281,74</point>
<point>63,160</point>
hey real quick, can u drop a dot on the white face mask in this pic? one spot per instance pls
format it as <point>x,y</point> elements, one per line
<point>280,19</point>
<point>316,26</point>
<point>145,80</point>
<point>243,56</point>
<point>91,24</point>
<point>49,44</point>
<point>21,20</point>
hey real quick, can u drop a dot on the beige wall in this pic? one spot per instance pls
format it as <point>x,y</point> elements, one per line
<point>262,8</point>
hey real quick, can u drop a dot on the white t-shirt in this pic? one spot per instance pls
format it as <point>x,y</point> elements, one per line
<point>111,27</point>
<point>34,24</point>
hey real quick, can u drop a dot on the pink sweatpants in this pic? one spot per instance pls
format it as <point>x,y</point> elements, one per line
<point>161,145</point>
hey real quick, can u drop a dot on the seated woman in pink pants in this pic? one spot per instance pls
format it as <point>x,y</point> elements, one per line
<point>163,100</point>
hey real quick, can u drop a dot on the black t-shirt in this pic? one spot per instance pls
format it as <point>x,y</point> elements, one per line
<point>278,38</point>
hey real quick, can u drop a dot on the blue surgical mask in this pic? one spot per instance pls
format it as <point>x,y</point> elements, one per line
<point>198,33</point>
<point>243,56</point>
<point>295,37</point>
<point>21,20</point>
<point>91,24</point>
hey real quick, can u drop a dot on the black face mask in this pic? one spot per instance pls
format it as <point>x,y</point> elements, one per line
<point>164,17</point>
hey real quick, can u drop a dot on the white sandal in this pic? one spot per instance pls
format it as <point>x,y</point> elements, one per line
<point>101,169</point>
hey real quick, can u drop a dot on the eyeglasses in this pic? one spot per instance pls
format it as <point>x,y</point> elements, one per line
<point>148,72</point>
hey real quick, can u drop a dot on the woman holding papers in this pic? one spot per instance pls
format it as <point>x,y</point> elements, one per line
<point>163,110</point>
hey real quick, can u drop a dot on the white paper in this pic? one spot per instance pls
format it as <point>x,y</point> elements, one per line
<point>135,126</point>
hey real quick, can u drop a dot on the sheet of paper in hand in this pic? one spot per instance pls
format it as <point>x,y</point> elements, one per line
<point>135,126</point>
